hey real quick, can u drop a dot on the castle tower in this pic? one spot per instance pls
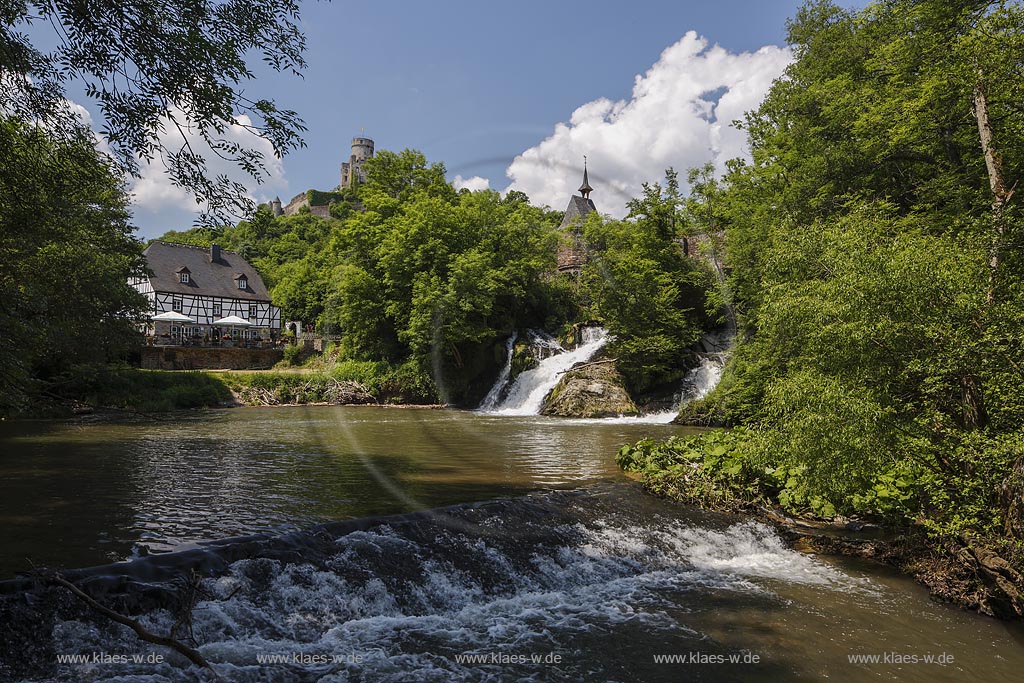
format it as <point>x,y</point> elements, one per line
<point>572,251</point>
<point>352,170</point>
<point>275,207</point>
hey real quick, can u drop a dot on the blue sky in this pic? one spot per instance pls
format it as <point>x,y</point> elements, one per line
<point>476,84</point>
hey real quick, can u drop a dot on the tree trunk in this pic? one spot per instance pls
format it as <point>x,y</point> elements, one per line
<point>1000,194</point>
<point>973,401</point>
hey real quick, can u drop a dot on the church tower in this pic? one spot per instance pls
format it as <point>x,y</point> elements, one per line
<point>572,251</point>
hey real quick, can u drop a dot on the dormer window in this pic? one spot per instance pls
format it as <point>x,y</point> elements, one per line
<point>184,278</point>
<point>184,275</point>
<point>243,283</point>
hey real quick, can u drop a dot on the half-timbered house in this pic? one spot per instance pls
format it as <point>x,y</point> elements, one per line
<point>207,285</point>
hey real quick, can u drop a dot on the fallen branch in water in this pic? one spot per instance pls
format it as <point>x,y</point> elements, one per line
<point>179,647</point>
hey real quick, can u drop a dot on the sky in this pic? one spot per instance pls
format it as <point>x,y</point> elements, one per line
<point>513,96</point>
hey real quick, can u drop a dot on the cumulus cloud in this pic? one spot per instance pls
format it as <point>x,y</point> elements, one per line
<point>680,114</point>
<point>472,184</point>
<point>154,192</point>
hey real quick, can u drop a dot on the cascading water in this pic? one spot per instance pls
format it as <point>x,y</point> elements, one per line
<point>526,395</point>
<point>494,395</point>
<point>697,384</point>
<point>558,587</point>
<point>703,379</point>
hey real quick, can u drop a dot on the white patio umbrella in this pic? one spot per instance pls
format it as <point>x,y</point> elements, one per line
<point>233,321</point>
<point>171,317</point>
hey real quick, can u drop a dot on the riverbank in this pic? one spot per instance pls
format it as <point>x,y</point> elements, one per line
<point>715,471</point>
<point>119,388</point>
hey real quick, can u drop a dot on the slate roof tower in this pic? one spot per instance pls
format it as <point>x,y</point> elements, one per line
<point>572,251</point>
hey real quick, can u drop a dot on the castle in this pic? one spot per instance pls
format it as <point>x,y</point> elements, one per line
<point>351,174</point>
<point>352,170</point>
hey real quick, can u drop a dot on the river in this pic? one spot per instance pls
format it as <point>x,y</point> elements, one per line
<point>570,573</point>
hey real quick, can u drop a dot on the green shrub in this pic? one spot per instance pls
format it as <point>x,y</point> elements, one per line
<point>293,354</point>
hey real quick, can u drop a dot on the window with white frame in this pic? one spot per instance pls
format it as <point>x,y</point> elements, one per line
<point>218,310</point>
<point>184,278</point>
<point>243,283</point>
<point>253,310</point>
<point>176,305</point>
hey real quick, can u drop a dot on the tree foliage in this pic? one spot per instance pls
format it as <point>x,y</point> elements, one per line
<point>156,67</point>
<point>642,287</point>
<point>879,331</point>
<point>66,253</point>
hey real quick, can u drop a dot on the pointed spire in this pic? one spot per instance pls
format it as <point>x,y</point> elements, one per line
<point>585,188</point>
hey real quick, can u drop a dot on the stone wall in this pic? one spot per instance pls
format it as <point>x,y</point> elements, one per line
<point>185,358</point>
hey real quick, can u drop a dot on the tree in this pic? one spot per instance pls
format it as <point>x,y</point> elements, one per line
<point>66,253</point>
<point>871,250</point>
<point>154,66</point>
<point>399,175</point>
<point>643,289</point>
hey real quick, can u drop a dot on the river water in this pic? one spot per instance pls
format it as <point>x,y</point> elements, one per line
<point>571,573</point>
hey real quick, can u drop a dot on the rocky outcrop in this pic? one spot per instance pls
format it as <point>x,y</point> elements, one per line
<point>593,389</point>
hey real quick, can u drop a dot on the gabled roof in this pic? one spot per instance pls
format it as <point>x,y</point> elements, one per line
<point>164,260</point>
<point>577,210</point>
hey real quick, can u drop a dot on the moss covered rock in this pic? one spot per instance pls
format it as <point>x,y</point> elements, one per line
<point>590,390</point>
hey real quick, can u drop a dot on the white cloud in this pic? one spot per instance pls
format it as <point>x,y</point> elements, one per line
<point>472,184</point>
<point>679,115</point>
<point>154,192</point>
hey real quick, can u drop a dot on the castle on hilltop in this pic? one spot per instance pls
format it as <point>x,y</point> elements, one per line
<point>351,174</point>
<point>352,170</point>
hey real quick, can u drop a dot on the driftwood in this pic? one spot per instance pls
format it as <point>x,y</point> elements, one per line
<point>587,365</point>
<point>331,392</point>
<point>166,641</point>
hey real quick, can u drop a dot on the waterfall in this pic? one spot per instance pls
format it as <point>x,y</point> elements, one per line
<point>697,384</point>
<point>526,395</point>
<point>703,379</point>
<point>492,397</point>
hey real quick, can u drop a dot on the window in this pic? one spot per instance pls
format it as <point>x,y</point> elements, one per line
<point>184,278</point>
<point>176,305</point>
<point>218,311</point>
<point>252,311</point>
<point>243,283</point>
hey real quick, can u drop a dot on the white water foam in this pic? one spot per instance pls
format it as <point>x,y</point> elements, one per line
<point>526,395</point>
<point>409,610</point>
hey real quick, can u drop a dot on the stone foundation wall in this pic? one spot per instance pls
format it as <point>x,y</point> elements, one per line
<point>183,358</point>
